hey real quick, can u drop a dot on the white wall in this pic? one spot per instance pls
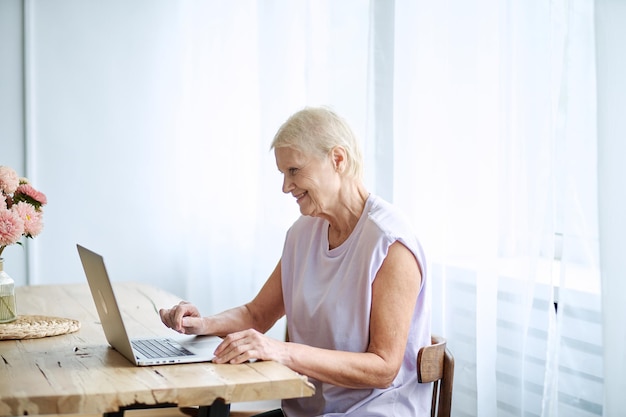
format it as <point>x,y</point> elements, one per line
<point>105,91</point>
<point>611,71</point>
<point>12,112</point>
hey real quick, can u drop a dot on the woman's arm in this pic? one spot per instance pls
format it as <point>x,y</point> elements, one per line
<point>394,293</point>
<point>259,314</point>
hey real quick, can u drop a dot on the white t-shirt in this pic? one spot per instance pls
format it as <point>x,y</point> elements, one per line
<point>328,299</point>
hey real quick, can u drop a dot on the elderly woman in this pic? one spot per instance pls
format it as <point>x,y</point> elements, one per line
<point>351,281</point>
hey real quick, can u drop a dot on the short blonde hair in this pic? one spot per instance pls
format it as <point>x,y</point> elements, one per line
<point>316,131</point>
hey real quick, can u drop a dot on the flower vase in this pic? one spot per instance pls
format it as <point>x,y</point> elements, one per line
<point>8,307</point>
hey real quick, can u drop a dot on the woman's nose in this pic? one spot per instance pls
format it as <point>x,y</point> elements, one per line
<point>287,185</point>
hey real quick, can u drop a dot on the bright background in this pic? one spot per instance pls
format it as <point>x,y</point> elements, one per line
<point>496,125</point>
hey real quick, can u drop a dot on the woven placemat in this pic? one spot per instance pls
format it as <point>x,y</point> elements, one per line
<point>33,327</point>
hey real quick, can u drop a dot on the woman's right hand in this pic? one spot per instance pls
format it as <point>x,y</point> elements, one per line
<point>184,317</point>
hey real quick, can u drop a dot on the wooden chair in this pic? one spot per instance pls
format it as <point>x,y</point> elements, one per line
<point>435,364</point>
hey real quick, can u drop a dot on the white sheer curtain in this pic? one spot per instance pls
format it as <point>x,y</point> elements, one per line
<point>496,159</point>
<point>477,119</point>
<point>247,67</point>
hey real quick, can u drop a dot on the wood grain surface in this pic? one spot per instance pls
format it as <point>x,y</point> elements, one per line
<point>78,373</point>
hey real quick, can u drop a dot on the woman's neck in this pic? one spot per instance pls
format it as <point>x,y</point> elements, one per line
<point>346,214</point>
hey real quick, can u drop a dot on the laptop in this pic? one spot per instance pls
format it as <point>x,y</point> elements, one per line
<point>145,351</point>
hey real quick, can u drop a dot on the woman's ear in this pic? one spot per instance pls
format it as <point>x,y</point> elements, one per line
<point>338,157</point>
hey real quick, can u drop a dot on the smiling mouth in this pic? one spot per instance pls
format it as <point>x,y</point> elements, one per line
<point>299,197</point>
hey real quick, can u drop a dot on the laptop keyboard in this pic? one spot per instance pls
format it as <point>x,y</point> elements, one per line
<point>160,348</point>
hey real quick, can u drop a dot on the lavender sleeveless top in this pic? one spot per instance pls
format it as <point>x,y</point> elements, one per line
<point>328,298</point>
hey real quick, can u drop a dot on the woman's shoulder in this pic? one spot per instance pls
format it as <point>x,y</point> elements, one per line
<point>387,216</point>
<point>391,222</point>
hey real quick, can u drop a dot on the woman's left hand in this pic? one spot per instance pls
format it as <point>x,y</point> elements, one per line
<point>248,345</point>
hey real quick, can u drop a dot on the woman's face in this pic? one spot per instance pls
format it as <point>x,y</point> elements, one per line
<point>312,181</point>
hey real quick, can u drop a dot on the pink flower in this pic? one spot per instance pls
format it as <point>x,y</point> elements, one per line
<point>20,208</point>
<point>9,180</point>
<point>11,228</point>
<point>31,217</point>
<point>25,192</point>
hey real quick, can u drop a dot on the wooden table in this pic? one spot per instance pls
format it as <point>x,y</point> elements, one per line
<point>80,373</point>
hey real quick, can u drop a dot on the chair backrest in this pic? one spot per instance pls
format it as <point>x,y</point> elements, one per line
<point>435,364</point>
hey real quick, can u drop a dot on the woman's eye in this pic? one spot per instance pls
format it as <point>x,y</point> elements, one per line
<point>293,171</point>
